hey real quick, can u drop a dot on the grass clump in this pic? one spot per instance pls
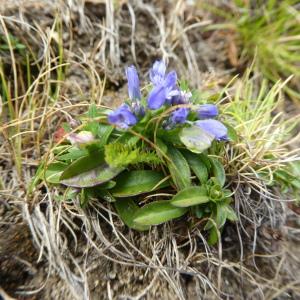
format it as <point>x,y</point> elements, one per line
<point>262,160</point>
<point>269,33</point>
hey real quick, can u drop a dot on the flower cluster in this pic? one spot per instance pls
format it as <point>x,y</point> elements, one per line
<point>169,150</point>
<point>166,92</point>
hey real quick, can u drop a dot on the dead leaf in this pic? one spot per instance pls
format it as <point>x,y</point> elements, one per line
<point>59,135</point>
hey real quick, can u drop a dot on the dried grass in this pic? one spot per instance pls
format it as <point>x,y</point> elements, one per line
<point>76,243</point>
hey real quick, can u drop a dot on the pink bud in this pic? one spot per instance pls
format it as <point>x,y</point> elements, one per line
<point>82,137</point>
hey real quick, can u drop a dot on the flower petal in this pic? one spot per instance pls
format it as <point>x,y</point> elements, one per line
<point>170,81</point>
<point>207,111</point>
<point>213,127</point>
<point>157,72</point>
<point>122,117</point>
<point>157,97</point>
<point>179,115</point>
<point>133,83</point>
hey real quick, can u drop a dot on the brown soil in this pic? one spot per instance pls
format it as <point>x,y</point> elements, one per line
<point>271,273</point>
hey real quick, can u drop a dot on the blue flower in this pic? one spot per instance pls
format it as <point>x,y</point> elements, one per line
<point>157,72</point>
<point>133,83</point>
<point>214,128</point>
<point>122,117</point>
<point>179,115</point>
<point>207,111</point>
<point>138,109</point>
<point>163,91</point>
<point>182,97</point>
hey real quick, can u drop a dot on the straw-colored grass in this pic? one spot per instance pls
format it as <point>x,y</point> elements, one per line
<point>39,94</point>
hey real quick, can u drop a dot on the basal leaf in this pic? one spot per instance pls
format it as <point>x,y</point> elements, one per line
<point>195,139</point>
<point>92,177</point>
<point>126,209</point>
<point>197,166</point>
<point>205,159</point>
<point>158,212</point>
<point>72,154</point>
<point>190,196</point>
<point>162,147</point>
<point>170,136</point>
<point>179,168</point>
<point>54,171</point>
<point>84,164</point>
<point>218,170</point>
<point>133,183</point>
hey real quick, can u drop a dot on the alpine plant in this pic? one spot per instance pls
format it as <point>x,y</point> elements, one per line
<point>155,158</point>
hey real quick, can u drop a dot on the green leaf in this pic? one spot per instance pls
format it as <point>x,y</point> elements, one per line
<point>92,126</point>
<point>198,211</point>
<point>205,160</point>
<point>296,183</point>
<point>128,139</point>
<point>195,139</point>
<point>197,165</point>
<point>101,191</point>
<point>179,168</point>
<point>213,236</point>
<point>105,195</point>
<point>107,185</point>
<point>215,191</point>
<point>218,171</point>
<point>54,171</point>
<point>170,136</point>
<point>230,213</point>
<point>138,182</point>
<point>73,153</point>
<point>126,209</point>
<point>83,164</point>
<point>190,196</point>
<point>219,215</point>
<point>104,132</point>
<point>83,198</point>
<point>162,146</point>
<point>92,177</point>
<point>158,212</point>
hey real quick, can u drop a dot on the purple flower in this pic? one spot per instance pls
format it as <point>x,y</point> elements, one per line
<point>214,128</point>
<point>138,109</point>
<point>157,72</point>
<point>207,111</point>
<point>163,91</point>
<point>179,115</point>
<point>122,117</point>
<point>182,97</point>
<point>133,83</point>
